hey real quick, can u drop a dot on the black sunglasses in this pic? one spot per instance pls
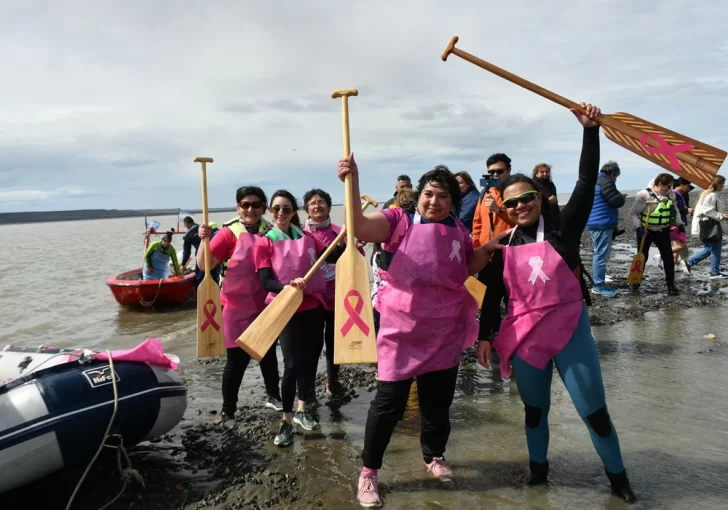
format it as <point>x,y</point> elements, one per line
<point>497,171</point>
<point>524,198</point>
<point>251,205</point>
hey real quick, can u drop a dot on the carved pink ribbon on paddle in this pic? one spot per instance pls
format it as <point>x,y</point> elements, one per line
<point>353,313</point>
<point>665,148</point>
<point>209,310</point>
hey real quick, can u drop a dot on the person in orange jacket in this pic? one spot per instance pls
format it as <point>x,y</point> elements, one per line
<point>491,217</point>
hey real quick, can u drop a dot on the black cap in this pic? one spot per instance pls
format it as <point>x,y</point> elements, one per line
<point>683,180</point>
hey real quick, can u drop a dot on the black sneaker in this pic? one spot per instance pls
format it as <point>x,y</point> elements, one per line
<point>718,276</point>
<point>227,421</point>
<point>673,291</point>
<point>274,403</point>
<point>285,435</point>
<point>305,420</point>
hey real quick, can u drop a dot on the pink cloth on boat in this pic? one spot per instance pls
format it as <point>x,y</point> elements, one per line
<point>150,351</point>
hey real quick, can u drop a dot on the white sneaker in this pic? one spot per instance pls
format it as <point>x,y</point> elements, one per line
<point>608,279</point>
<point>682,266</point>
<point>658,260</point>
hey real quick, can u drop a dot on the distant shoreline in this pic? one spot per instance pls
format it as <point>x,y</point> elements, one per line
<point>15,218</point>
<point>12,218</point>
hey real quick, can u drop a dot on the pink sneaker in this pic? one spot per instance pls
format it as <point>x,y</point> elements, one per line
<point>439,468</point>
<point>368,495</point>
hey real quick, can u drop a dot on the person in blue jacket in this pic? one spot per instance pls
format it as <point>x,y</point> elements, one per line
<point>470,195</point>
<point>602,223</point>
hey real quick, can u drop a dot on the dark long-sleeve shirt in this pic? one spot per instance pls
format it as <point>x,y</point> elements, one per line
<point>565,241</point>
<point>190,239</point>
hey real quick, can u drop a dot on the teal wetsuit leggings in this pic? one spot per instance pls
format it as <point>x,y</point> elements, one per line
<point>578,367</point>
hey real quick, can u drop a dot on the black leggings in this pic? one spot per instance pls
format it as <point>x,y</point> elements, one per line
<point>435,391</point>
<point>332,371</point>
<point>232,376</point>
<point>299,341</point>
<point>664,245</point>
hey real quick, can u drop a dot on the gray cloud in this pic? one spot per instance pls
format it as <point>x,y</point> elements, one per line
<point>117,98</point>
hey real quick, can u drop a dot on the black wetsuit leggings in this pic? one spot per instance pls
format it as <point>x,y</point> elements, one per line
<point>299,341</point>
<point>232,376</point>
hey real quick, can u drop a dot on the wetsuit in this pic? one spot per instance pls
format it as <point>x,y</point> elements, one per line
<point>577,363</point>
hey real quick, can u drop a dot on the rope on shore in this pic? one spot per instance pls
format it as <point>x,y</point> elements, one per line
<point>127,473</point>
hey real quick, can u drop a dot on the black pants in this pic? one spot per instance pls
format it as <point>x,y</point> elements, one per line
<point>299,339</point>
<point>232,376</point>
<point>435,391</point>
<point>332,371</point>
<point>487,333</point>
<point>664,245</point>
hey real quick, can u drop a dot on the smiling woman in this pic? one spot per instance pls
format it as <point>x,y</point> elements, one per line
<point>547,322</point>
<point>427,316</point>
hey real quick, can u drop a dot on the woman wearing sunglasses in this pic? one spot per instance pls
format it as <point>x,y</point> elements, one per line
<point>547,321</point>
<point>283,255</point>
<point>427,316</point>
<point>242,297</point>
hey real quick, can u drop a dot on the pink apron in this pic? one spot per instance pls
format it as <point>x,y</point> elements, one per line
<point>427,314</point>
<point>328,270</point>
<point>544,304</point>
<point>292,259</point>
<point>244,294</point>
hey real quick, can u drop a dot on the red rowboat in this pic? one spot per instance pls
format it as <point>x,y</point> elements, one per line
<point>130,290</point>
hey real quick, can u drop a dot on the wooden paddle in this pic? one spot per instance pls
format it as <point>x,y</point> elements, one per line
<point>476,289</point>
<point>637,269</point>
<point>267,327</point>
<point>683,156</point>
<point>210,338</point>
<point>354,338</point>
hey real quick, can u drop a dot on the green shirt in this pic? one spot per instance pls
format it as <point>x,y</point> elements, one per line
<point>157,246</point>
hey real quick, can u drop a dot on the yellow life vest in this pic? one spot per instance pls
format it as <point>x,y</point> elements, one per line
<point>662,215</point>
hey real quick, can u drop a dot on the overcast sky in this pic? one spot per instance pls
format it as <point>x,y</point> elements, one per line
<point>106,104</point>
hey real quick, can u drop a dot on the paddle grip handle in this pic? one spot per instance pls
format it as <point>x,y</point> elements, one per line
<point>334,243</point>
<point>204,161</point>
<point>348,185</point>
<point>510,76</point>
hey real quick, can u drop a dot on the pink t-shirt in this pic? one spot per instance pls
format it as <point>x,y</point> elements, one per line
<point>222,247</point>
<point>263,253</point>
<point>223,244</point>
<point>397,215</point>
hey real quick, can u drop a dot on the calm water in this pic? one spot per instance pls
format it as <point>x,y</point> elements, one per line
<point>667,389</point>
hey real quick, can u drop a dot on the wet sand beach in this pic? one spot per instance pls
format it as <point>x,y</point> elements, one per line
<point>665,383</point>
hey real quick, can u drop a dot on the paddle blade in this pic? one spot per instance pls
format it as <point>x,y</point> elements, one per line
<point>267,327</point>
<point>354,337</point>
<point>210,337</point>
<point>476,289</point>
<point>636,270</point>
<point>683,156</point>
